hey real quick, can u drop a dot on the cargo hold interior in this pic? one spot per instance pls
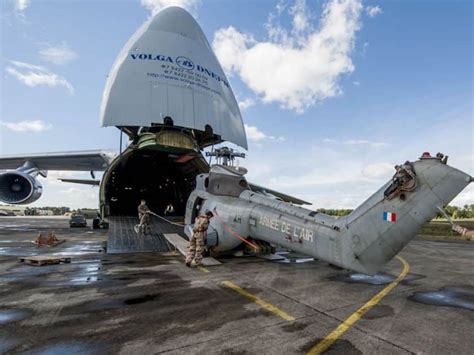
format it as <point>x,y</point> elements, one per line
<point>160,177</point>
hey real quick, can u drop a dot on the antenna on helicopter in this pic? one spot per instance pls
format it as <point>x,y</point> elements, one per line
<point>225,155</point>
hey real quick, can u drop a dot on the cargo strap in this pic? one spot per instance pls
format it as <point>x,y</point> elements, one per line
<point>468,234</point>
<point>234,233</point>
<point>166,220</point>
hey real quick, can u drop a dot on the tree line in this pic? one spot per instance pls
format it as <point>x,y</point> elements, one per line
<point>60,211</point>
<point>57,211</point>
<point>467,211</point>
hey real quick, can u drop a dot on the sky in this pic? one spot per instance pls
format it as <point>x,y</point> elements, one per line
<point>333,93</point>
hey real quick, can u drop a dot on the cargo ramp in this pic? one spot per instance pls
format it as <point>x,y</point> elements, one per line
<point>122,237</point>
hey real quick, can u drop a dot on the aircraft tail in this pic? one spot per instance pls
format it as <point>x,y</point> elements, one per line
<point>389,219</point>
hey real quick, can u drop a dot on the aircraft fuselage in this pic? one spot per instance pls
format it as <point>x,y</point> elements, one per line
<point>363,241</point>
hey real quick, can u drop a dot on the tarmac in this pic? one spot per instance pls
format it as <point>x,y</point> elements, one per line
<point>145,303</point>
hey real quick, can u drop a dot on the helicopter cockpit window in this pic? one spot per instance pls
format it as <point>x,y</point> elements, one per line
<point>243,183</point>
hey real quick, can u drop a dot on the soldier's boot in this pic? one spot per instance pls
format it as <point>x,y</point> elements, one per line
<point>147,229</point>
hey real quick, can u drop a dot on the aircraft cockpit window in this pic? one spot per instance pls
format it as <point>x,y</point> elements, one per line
<point>313,213</point>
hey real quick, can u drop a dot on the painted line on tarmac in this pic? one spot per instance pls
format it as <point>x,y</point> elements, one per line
<point>203,269</point>
<point>259,301</point>
<point>324,344</point>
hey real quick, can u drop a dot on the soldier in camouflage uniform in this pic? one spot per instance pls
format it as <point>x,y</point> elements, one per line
<point>196,244</point>
<point>144,217</point>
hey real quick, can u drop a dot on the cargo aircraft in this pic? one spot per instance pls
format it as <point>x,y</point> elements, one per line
<point>168,93</point>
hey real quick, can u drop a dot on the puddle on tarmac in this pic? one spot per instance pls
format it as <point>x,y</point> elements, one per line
<point>379,311</point>
<point>340,346</point>
<point>299,260</point>
<point>8,344</point>
<point>89,273</point>
<point>378,279</point>
<point>78,253</point>
<point>141,299</point>
<point>12,315</point>
<point>67,348</point>
<point>92,268</point>
<point>84,280</point>
<point>5,226</point>
<point>293,258</point>
<point>454,296</point>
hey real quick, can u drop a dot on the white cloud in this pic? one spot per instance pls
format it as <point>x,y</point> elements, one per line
<point>466,197</point>
<point>54,176</point>
<point>373,11</point>
<point>365,142</point>
<point>327,176</point>
<point>157,5</point>
<point>301,27</point>
<point>57,193</point>
<point>246,103</point>
<point>60,55</point>
<point>228,45</point>
<point>365,47</point>
<point>34,75</point>
<point>255,135</point>
<point>356,83</point>
<point>356,142</point>
<point>336,175</point>
<point>380,170</point>
<point>79,197</point>
<point>21,5</point>
<point>296,68</point>
<point>27,126</point>
<point>301,17</point>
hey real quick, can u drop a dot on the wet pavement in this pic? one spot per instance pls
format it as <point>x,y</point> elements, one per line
<point>151,303</point>
<point>455,296</point>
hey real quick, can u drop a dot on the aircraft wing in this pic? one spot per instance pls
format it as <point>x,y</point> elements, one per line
<point>82,181</point>
<point>88,160</point>
<point>284,197</point>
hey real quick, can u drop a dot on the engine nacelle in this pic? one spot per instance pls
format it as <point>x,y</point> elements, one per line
<point>17,187</point>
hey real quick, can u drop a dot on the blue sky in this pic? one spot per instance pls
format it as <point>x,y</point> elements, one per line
<point>362,86</point>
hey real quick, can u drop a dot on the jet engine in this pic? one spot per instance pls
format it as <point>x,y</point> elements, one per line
<point>18,187</point>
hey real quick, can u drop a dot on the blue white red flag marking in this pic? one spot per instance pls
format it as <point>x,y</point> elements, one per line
<point>389,216</point>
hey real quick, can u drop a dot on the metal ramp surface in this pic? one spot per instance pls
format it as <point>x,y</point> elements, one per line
<point>181,245</point>
<point>123,239</point>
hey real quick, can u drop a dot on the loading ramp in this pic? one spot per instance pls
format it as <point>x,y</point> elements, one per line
<point>122,237</point>
<point>181,245</point>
